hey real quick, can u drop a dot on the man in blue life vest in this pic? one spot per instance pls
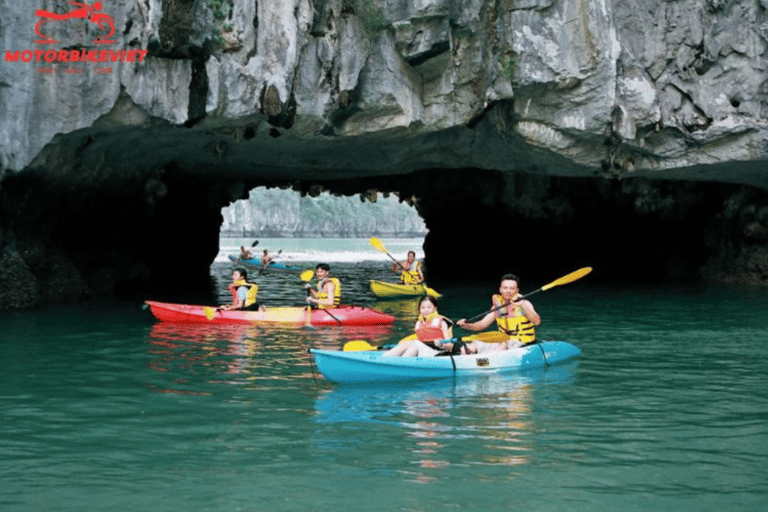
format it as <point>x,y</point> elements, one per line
<point>513,316</point>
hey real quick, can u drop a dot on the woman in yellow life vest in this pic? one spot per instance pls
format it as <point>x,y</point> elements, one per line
<point>244,293</point>
<point>328,292</point>
<point>410,269</point>
<point>515,317</point>
<point>432,332</point>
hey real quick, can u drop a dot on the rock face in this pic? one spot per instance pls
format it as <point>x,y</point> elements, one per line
<point>526,107</point>
<point>282,213</point>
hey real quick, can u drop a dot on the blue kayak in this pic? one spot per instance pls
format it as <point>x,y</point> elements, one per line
<point>255,264</point>
<point>372,366</point>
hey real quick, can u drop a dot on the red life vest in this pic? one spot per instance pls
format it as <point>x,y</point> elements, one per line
<point>430,328</point>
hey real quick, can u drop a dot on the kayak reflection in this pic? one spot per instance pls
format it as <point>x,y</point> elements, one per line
<point>488,420</point>
<point>381,402</point>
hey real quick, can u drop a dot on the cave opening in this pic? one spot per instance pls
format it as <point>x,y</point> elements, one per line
<point>286,213</point>
<point>162,228</point>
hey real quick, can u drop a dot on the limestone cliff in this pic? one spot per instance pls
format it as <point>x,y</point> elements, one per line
<point>282,213</point>
<point>525,107</point>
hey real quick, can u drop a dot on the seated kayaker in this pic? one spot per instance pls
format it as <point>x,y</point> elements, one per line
<point>512,315</point>
<point>244,293</point>
<point>266,259</point>
<point>410,270</point>
<point>245,254</point>
<point>328,292</point>
<point>433,332</point>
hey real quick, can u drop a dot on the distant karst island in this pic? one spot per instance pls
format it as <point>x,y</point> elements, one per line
<point>278,213</point>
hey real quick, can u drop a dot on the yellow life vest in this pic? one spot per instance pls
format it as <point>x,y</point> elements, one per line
<point>511,320</point>
<point>253,291</point>
<point>321,295</point>
<point>410,275</point>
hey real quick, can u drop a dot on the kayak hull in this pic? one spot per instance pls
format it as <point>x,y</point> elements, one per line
<point>286,315</point>
<point>255,264</point>
<point>392,290</point>
<point>373,366</point>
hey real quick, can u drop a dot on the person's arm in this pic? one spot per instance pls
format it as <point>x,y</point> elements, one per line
<point>239,302</point>
<point>481,324</point>
<point>529,312</point>
<point>446,330</point>
<point>329,289</point>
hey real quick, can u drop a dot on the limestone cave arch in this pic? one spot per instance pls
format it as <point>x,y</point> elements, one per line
<point>116,211</point>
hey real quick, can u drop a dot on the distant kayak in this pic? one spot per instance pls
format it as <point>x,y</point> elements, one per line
<point>288,315</point>
<point>371,366</point>
<point>255,264</point>
<point>393,290</point>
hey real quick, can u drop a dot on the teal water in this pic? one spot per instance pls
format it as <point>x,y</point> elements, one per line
<point>667,408</point>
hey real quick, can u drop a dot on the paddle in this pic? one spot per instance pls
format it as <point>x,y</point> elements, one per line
<point>254,244</point>
<point>357,346</point>
<point>573,276</point>
<point>379,246</point>
<point>306,276</point>
<point>209,312</point>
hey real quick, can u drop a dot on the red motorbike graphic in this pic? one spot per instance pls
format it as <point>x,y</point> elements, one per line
<point>84,11</point>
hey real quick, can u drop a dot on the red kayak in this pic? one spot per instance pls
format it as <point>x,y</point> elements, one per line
<point>342,315</point>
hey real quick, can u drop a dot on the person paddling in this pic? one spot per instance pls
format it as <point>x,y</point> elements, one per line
<point>244,293</point>
<point>328,292</point>
<point>513,316</point>
<point>410,270</point>
<point>266,259</point>
<point>245,254</point>
<point>432,331</point>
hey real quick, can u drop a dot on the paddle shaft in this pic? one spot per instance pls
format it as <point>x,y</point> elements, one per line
<point>573,276</point>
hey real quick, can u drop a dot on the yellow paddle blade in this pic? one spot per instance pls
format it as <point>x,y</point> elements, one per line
<point>488,337</point>
<point>357,346</point>
<point>307,275</point>
<point>209,312</point>
<point>377,244</point>
<point>432,292</point>
<point>577,274</point>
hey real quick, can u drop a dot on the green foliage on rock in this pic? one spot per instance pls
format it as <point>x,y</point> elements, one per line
<point>370,13</point>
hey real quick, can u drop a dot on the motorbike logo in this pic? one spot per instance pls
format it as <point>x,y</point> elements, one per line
<point>82,11</point>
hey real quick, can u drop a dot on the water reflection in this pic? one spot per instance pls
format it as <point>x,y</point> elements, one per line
<point>403,309</point>
<point>195,353</point>
<point>196,356</point>
<point>486,420</point>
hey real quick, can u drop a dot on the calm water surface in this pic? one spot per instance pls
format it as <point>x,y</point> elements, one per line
<point>667,408</point>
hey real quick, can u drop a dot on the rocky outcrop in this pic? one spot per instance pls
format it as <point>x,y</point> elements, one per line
<point>282,213</point>
<point>200,100</point>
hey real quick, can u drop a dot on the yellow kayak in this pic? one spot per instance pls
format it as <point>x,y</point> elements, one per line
<point>392,290</point>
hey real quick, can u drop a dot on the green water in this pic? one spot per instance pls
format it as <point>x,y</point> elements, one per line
<point>667,409</point>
